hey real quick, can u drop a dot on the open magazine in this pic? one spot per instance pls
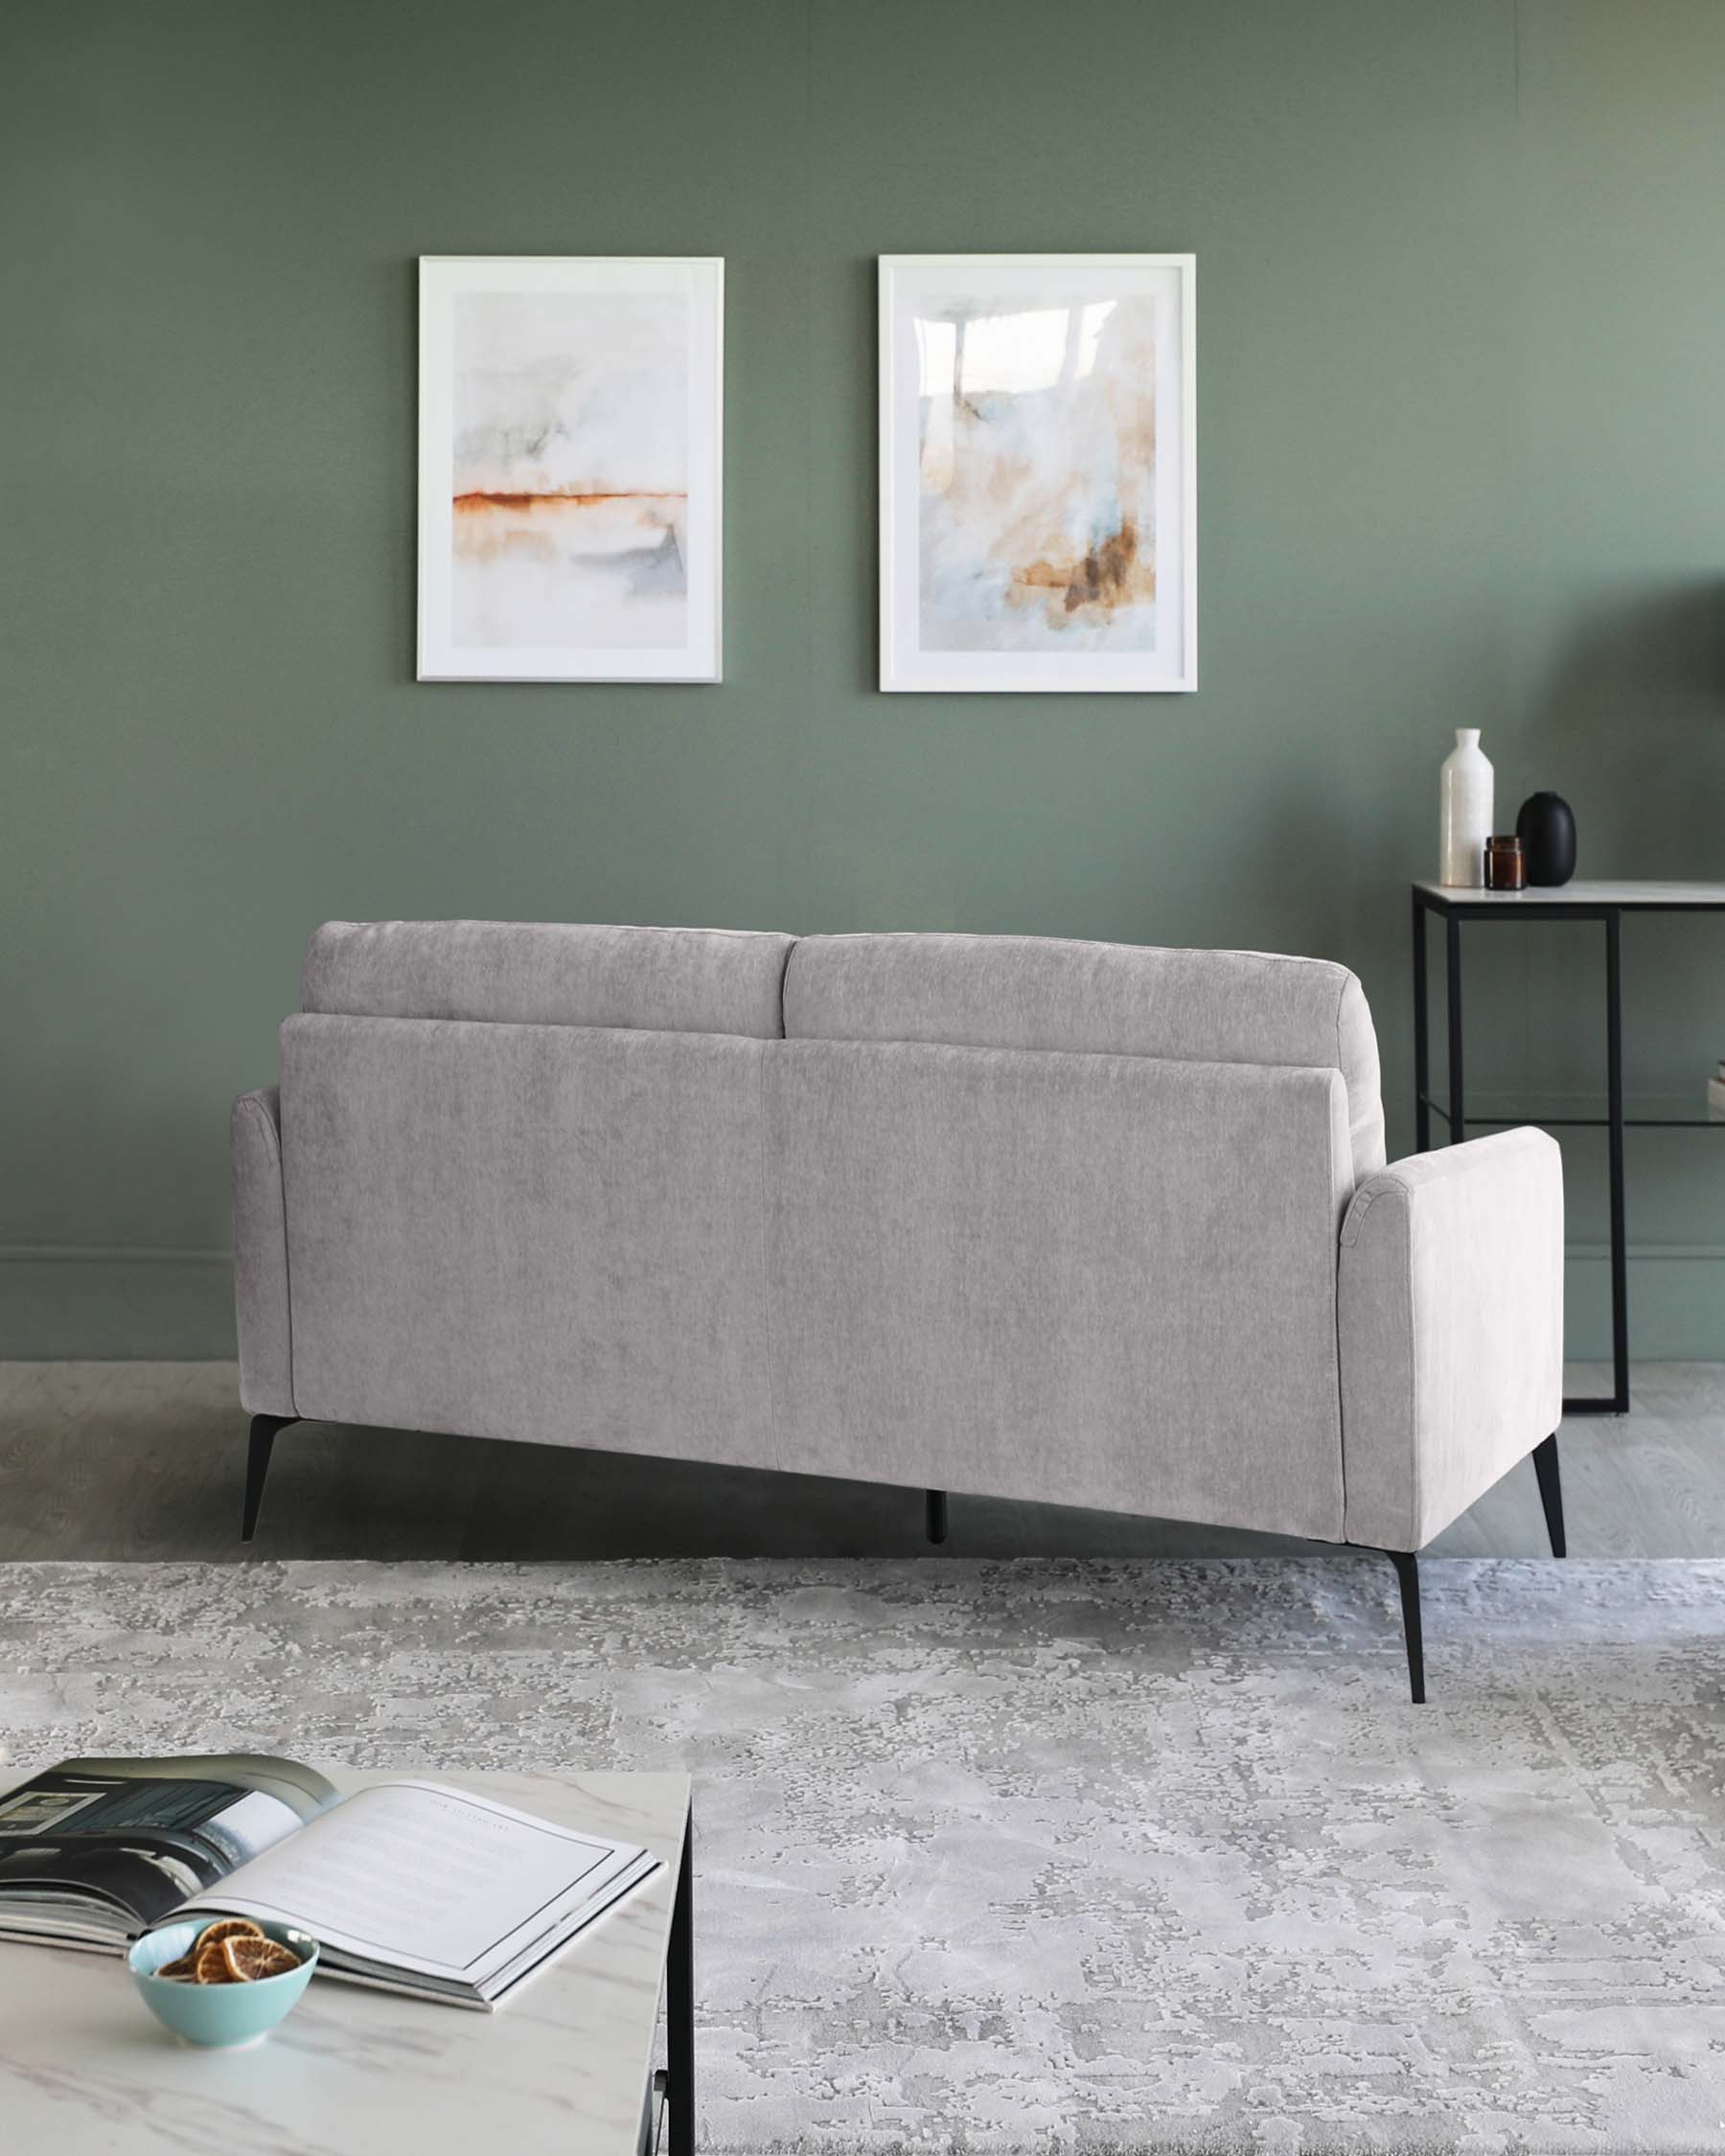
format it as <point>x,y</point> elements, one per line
<point>407,1884</point>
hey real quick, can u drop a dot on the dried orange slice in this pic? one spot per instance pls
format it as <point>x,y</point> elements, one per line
<point>250,1960</point>
<point>211,1966</point>
<point>226,1927</point>
<point>207,1962</point>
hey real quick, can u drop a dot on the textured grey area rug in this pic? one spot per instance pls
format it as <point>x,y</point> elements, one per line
<point>1046,1856</point>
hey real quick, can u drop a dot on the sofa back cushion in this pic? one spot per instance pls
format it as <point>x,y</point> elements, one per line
<point>1096,999</point>
<point>1049,1220</point>
<point>533,1231</point>
<point>1085,1279</point>
<point>541,972</point>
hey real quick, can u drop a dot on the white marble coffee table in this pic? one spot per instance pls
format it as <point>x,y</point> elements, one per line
<point>563,2065</point>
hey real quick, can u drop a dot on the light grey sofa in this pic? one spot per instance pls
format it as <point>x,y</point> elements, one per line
<point>1084,1223</point>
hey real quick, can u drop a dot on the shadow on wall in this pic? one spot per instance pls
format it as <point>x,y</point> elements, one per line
<point>1631,729</point>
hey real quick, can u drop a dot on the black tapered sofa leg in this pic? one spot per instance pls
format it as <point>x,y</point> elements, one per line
<point>1407,1573</point>
<point>1551,1492</point>
<point>936,1516</point>
<point>263,1430</point>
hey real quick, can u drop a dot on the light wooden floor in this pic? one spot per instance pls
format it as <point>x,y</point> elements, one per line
<point>147,1459</point>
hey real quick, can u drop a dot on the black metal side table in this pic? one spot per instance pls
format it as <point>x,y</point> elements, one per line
<point>1607,904</point>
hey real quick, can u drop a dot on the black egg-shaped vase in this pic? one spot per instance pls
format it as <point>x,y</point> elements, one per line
<point>1546,830</point>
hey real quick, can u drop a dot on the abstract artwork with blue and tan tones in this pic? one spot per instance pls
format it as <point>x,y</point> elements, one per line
<point>1036,472</point>
<point>1038,476</point>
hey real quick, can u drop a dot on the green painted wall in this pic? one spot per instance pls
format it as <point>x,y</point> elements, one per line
<point>1461,459</point>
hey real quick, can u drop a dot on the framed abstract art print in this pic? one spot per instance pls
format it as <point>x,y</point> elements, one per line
<point>1038,473</point>
<point>570,460</point>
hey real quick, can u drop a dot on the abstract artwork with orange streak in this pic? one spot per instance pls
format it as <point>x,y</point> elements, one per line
<point>570,423</point>
<point>571,469</point>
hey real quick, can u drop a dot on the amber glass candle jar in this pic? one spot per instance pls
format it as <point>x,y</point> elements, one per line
<point>1505,864</point>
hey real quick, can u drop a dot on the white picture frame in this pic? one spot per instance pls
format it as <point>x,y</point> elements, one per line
<point>988,579</point>
<point>571,414</point>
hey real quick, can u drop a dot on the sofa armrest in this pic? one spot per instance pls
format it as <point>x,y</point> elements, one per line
<point>259,1220</point>
<point>1450,1323</point>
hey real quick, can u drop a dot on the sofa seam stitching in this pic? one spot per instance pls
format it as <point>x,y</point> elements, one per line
<point>1341,999</point>
<point>1362,1203</point>
<point>1414,1477</point>
<point>1335,1292</point>
<point>286,1240</point>
<point>784,979</point>
<point>287,1252</point>
<point>773,1419</point>
<point>273,1146</point>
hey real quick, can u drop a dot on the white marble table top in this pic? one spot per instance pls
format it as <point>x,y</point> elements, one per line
<point>561,2065</point>
<point>1670,898</point>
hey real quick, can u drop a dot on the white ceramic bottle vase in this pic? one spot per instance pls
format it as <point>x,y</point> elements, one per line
<point>1465,823</point>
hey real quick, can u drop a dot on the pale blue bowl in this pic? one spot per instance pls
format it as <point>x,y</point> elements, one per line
<point>220,2016</point>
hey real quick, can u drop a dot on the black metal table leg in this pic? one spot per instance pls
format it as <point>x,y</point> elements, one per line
<point>1407,1575</point>
<point>1551,1492</point>
<point>1458,1117</point>
<point>263,1430</point>
<point>1614,1110</point>
<point>680,2002</point>
<point>1422,1056</point>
